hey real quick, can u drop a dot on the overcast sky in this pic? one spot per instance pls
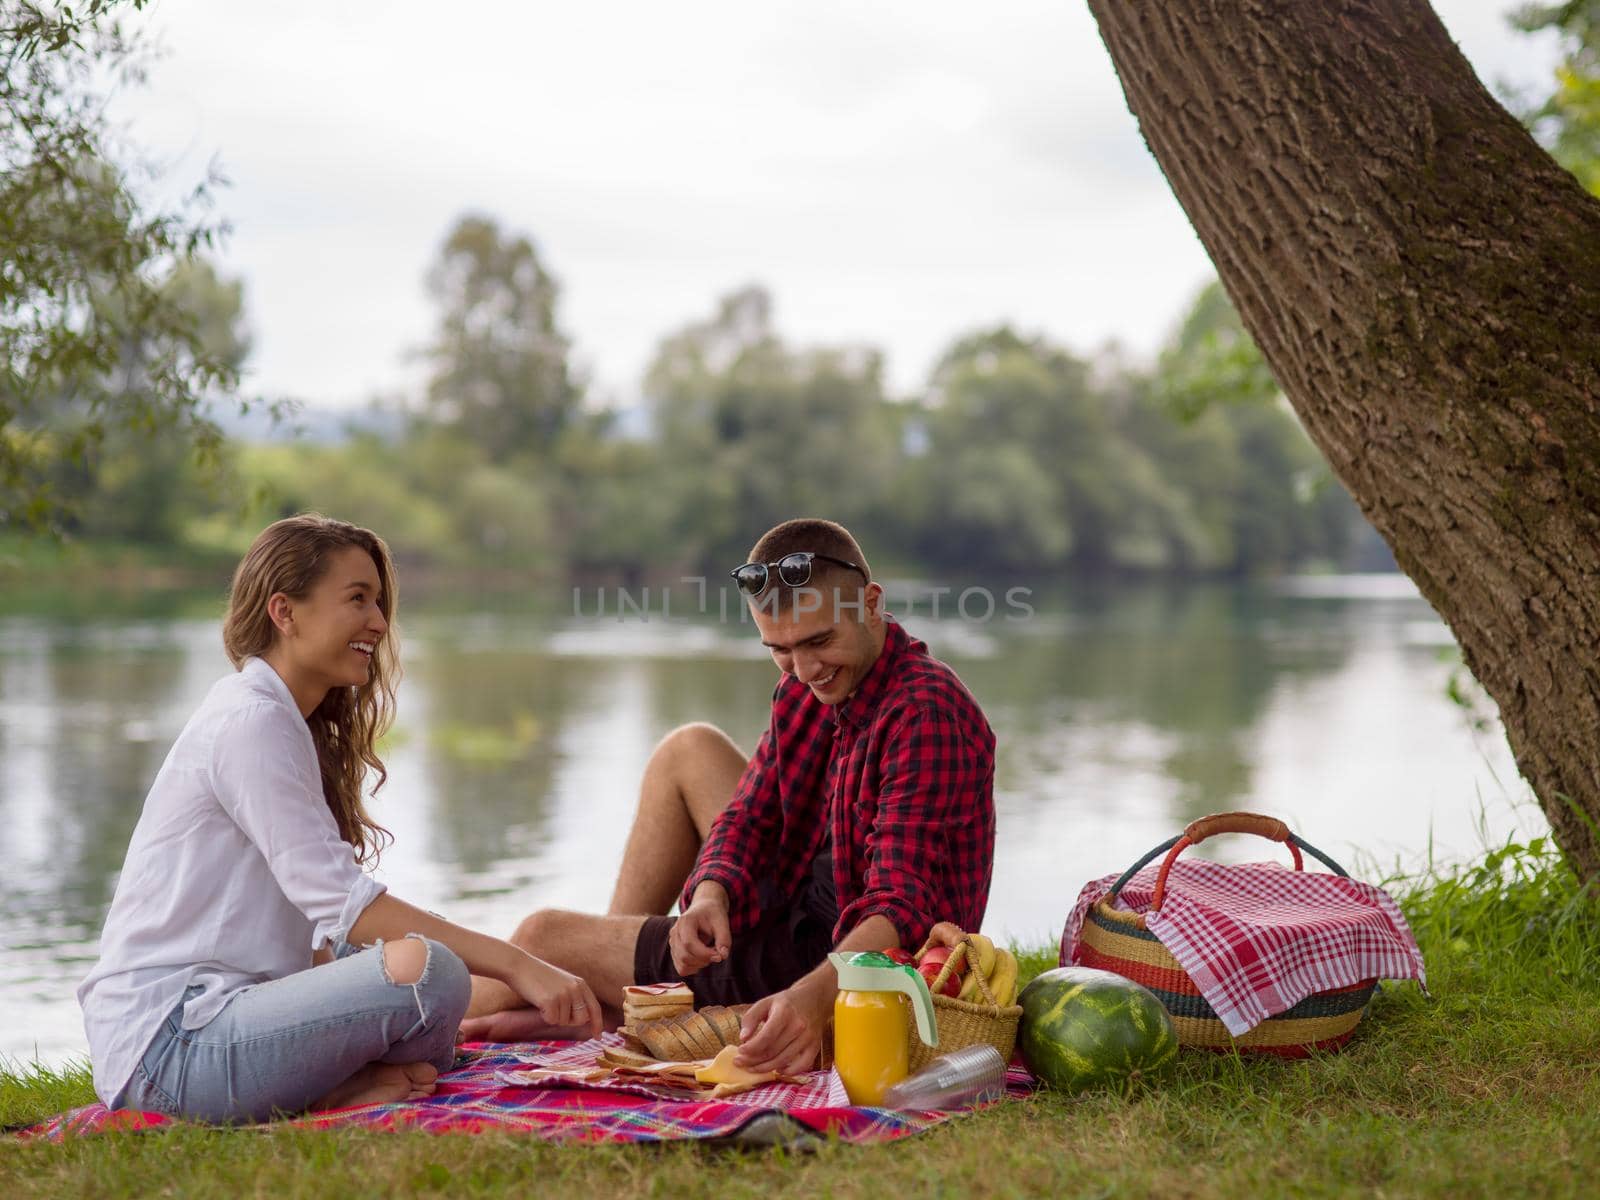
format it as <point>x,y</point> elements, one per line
<point>895,172</point>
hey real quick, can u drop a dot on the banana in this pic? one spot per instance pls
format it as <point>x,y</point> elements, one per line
<point>1004,981</point>
<point>981,969</point>
<point>985,964</point>
<point>969,988</point>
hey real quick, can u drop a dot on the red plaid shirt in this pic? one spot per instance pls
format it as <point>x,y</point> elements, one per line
<point>901,774</point>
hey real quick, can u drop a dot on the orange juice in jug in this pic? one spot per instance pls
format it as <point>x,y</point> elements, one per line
<point>872,1015</point>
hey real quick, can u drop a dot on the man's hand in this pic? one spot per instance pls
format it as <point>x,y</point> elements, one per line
<point>701,936</point>
<point>781,1032</point>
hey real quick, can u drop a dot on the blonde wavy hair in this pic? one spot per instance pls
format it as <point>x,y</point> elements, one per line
<point>290,556</point>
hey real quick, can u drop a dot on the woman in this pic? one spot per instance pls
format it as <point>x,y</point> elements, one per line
<point>230,985</point>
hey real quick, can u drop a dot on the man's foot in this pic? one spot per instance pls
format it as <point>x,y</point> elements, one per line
<point>517,1025</point>
<point>382,1083</point>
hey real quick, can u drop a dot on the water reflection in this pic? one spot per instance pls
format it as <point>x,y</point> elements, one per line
<point>492,730</point>
<point>1121,713</point>
<point>1173,680</point>
<point>86,717</point>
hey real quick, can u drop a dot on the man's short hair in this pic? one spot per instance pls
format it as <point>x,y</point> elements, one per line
<point>828,580</point>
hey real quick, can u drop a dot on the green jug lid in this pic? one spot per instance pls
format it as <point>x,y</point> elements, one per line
<point>871,958</point>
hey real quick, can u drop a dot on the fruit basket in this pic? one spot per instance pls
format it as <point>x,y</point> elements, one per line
<point>1118,940</point>
<point>982,1020</point>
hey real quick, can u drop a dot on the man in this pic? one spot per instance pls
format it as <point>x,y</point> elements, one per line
<point>865,816</point>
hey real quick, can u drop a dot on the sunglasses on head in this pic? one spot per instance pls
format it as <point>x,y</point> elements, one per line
<point>794,570</point>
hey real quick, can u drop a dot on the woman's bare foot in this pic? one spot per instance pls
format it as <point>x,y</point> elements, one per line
<point>517,1025</point>
<point>382,1083</point>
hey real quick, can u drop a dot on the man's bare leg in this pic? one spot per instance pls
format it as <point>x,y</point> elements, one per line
<point>688,781</point>
<point>600,949</point>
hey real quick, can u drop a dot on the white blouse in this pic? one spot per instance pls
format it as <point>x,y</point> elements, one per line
<point>235,874</point>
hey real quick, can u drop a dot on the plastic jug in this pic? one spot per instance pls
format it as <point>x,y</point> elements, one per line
<point>878,998</point>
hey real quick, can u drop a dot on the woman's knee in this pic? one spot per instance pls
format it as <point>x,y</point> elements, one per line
<point>405,960</point>
<point>450,979</point>
<point>415,961</point>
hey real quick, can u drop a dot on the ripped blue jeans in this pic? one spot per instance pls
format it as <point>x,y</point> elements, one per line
<point>278,1047</point>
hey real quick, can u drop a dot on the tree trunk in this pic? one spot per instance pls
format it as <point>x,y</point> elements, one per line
<point>1424,282</point>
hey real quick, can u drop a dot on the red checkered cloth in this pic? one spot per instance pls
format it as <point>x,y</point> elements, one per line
<point>566,1064</point>
<point>1257,938</point>
<point>475,1098</point>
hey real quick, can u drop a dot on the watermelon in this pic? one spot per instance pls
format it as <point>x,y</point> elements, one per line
<point>1082,1028</point>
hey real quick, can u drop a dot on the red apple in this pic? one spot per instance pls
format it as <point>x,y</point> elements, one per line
<point>904,957</point>
<point>935,956</point>
<point>934,959</point>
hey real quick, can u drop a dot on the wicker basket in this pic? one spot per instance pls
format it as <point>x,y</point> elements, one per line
<point>1115,940</point>
<point>964,1023</point>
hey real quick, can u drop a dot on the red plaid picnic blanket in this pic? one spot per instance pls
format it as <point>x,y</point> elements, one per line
<point>1257,938</point>
<point>565,1064</point>
<point>478,1096</point>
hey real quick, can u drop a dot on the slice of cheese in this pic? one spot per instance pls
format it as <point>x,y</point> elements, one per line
<point>724,1070</point>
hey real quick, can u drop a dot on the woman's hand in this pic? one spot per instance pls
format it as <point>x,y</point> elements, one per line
<point>562,998</point>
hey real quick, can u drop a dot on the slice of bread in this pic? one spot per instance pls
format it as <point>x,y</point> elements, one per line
<point>665,1041</point>
<point>635,1014</point>
<point>685,1035</point>
<point>654,1036</point>
<point>617,1056</point>
<point>703,1034</point>
<point>727,1023</point>
<point>653,995</point>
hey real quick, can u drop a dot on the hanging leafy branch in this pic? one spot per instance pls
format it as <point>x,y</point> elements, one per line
<point>93,337</point>
<point>1567,121</point>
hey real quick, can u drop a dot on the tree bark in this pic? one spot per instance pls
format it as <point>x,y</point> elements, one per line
<point>1424,282</point>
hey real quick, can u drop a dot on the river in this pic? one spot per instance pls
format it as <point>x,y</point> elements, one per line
<point>1121,713</point>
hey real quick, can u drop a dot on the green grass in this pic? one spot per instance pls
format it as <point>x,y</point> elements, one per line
<point>1488,1088</point>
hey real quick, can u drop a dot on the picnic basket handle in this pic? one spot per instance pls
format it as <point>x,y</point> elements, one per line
<point>1202,828</point>
<point>962,951</point>
<point>1199,829</point>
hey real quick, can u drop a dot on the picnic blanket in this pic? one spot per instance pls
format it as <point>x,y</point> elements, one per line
<point>1257,938</point>
<point>510,1087</point>
<point>573,1065</point>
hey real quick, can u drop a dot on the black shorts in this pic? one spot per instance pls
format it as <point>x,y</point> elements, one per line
<point>767,959</point>
<point>763,960</point>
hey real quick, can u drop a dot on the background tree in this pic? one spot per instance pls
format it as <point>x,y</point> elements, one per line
<point>762,431</point>
<point>141,482</point>
<point>1424,282</point>
<point>1028,458</point>
<point>1256,486</point>
<point>501,376</point>
<point>1014,472</point>
<point>85,265</point>
<point>1567,122</point>
<point>624,505</point>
